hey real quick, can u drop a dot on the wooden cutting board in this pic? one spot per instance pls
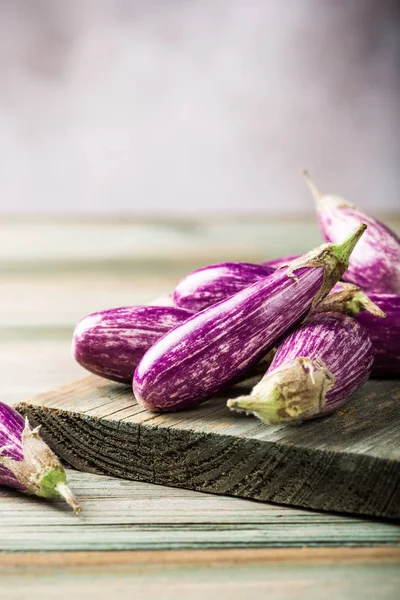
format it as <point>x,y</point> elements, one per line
<point>348,462</point>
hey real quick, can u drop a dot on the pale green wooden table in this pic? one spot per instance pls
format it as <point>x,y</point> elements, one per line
<point>170,541</point>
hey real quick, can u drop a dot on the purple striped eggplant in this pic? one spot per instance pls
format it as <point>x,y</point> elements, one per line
<point>385,335</point>
<point>375,263</point>
<point>315,371</point>
<point>276,263</point>
<point>110,343</point>
<point>27,463</point>
<point>216,346</point>
<point>209,285</point>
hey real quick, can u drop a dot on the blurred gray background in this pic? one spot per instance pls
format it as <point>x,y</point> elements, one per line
<point>197,107</point>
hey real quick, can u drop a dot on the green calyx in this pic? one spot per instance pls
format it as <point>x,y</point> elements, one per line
<point>360,302</point>
<point>39,472</point>
<point>49,481</point>
<point>53,483</point>
<point>333,259</point>
<point>291,393</point>
<point>350,300</point>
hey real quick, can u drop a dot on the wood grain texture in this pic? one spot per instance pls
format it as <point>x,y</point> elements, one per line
<point>348,462</point>
<point>132,515</point>
<point>51,274</point>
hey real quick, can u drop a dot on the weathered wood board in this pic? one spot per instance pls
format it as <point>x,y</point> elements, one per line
<point>348,462</point>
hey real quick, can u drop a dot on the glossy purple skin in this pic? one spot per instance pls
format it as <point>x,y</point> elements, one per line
<point>207,286</point>
<point>214,347</point>
<point>11,428</point>
<point>375,262</point>
<point>110,343</point>
<point>385,335</point>
<point>214,283</point>
<point>275,263</point>
<point>341,343</point>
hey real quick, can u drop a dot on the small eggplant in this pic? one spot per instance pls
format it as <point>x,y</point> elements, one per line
<point>385,335</point>
<point>315,371</point>
<point>216,346</point>
<point>27,463</point>
<point>209,285</point>
<point>110,343</point>
<point>375,263</point>
<point>276,263</point>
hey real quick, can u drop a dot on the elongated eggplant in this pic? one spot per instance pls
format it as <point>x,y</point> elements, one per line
<point>375,263</point>
<point>209,285</point>
<point>315,370</point>
<point>27,463</point>
<point>110,343</point>
<point>276,263</point>
<point>385,335</point>
<point>214,347</point>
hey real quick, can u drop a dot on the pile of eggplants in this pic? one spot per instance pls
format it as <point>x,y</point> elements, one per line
<point>326,321</point>
<point>307,330</point>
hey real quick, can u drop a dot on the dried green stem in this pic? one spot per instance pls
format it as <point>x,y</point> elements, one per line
<point>313,188</point>
<point>63,490</point>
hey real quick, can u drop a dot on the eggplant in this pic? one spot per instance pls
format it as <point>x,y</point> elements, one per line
<point>26,463</point>
<point>276,263</point>
<point>209,285</point>
<point>385,335</point>
<point>110,343</point>
<point>216,346</point>
<point>315,370</point>
<point>375,264</point>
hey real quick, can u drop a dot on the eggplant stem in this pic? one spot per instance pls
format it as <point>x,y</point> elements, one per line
<point>68,496</point>
<point>317,195</point>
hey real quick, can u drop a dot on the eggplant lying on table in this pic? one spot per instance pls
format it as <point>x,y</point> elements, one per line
<point>26,463</point>
<point>216,346</point>
<point>110,343</point>
<point>315,370</point>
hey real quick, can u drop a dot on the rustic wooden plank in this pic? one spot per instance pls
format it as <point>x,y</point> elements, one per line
<point>349,462</point>
<point>29,366</point>
<point>235,580</point>
<point>126,515</point>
